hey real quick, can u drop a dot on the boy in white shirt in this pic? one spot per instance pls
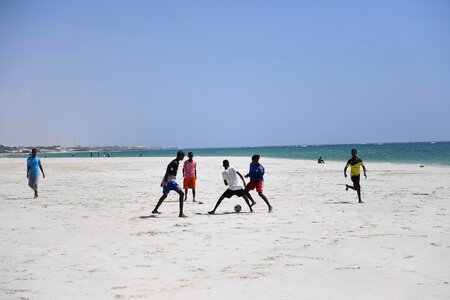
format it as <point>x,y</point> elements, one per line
<point>234,187</point>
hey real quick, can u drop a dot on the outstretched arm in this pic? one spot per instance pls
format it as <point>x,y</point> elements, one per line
<point>364,169</point>
<point>242,178</point>
<point>42,170</point>
<point>345,171</point>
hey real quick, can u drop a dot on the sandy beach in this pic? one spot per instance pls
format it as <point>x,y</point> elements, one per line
<point>91,235</point>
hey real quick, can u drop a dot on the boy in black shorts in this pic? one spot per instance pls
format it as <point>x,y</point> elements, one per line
<point>234,187</point>
<point>355,163</point>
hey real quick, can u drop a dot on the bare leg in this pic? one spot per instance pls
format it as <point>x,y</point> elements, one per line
<point>181,215</point>
<point>248,202</point>
<point>193,194</point>
<point>217,205</point>
<point>35,193</point>
<point>185,194</point>
<point>358,191</point>
<point>155,211</point>
<point>247,193</point>
<point>265,200</point>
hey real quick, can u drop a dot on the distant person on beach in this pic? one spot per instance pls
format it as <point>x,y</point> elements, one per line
<point>169,184</point>
<point>234,187</point>
<point>320,160</point>
<point>355,163</point>
<point>33,166</point>
<point>256,175</point>
<point>190,175</point>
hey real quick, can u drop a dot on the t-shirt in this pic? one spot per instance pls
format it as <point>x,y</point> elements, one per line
<point>33,165</point>
<point>256,172</point>
<point>172,170</point>
<point>189,168</point>
<point>230,175</point>
<point>355,163</point>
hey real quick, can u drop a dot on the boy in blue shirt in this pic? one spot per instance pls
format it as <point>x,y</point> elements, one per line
<point>256,175</point>
<point>33,166</point>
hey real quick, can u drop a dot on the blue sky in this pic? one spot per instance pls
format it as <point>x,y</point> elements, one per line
<point>230,73</point>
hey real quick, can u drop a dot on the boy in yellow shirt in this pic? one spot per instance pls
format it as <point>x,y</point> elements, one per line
<point>355,163</point>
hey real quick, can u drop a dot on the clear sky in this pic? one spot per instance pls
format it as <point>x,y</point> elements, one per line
<point>223,73</point>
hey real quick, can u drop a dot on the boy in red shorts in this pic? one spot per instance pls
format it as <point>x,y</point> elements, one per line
<point>190,175</point>
<point>256,175</point>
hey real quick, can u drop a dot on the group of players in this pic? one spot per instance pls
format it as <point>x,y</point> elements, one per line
<point>230,177</point>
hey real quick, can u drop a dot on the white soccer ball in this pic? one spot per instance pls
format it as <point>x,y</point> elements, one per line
<point>237,208</point>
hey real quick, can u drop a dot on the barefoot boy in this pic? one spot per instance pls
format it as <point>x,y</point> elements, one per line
<point>169,184</point>
<point>256,175</point>
<point>355,163</point>
<point>33,166</point>
<point>234,187</point>
<point>190,175</point>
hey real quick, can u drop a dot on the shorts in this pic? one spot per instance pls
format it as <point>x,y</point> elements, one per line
<point>33,182</point>
<point>189,183</point>
<point>355,180</point>
<point>255,185</point>
<point>171,186</point>
<point>230,193</point>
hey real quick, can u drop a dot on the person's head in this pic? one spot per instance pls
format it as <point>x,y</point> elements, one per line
<point>180,155</point>
<point>190,155</point>
<point>354,152</point>
<point>255,159</point>
<point>33,152</point>
<point>226,164</point>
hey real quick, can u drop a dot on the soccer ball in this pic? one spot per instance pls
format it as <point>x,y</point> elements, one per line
<point>237,208</point>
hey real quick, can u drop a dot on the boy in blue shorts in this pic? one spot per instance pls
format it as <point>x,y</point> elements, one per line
<point>33,166</point>
<point>169,184</point>
<point>256,175</point>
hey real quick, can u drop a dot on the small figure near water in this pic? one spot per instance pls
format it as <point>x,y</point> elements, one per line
<point>320,160</point>
<point>355,163</point>
<point>33,166</point>
<point>169,184</point>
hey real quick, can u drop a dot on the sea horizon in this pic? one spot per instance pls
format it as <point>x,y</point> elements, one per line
<point>431,152</point>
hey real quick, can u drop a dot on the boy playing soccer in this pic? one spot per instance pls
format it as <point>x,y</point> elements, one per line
<point>256,175</point>
<point>234,187</point>
<point>169,184</point>
<point>190,175</point>
<point>33,166</point>
<point>355,163</point>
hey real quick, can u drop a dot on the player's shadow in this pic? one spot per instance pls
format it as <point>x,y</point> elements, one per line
<point>339,202</point>
<point>147,217</point>
<point>224,213</point>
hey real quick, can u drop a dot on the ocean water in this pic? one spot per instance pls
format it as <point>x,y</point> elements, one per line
<point>416,153</point>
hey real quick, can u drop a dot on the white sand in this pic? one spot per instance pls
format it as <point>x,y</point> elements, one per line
<point>84,238</point>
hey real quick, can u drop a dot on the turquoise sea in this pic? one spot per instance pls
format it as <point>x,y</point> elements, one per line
<point>417,153</point>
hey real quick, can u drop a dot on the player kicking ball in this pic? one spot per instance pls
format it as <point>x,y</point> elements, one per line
<point>234,187</point>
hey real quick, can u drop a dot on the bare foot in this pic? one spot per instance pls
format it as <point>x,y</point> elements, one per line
<point>361,202</point>
<point>182,216</point>
<point>346,187</point>
<point>194,200</point>
<point>156,212</point>
<point>253,203</point>
<point>211,212</point>
<point>270,209</point>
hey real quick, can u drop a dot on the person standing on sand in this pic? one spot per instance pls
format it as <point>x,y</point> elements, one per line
<point>256,175</point>
<point>169,184</point>
<point>355,163</point>
<point>190,175</point>
<point>234,187</point>
<point>33,166</point>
